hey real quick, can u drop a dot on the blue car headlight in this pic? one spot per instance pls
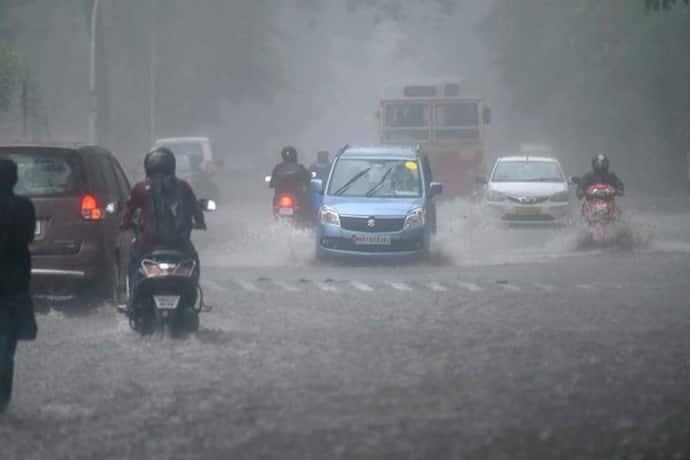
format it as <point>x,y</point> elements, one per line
<point>415,218</point>
<point>328,216</point>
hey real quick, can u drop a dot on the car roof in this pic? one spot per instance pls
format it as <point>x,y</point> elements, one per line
<point>523,158</point>
<point>76,147</point>
<point>179,140</point>
<point>381,151</point>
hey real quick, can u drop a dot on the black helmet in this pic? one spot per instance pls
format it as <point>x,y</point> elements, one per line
<point>289,154</point>
<point>161,161</point>
<point>600,163</point>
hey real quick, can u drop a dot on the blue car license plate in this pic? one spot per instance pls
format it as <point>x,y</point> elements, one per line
<point>372,240</point>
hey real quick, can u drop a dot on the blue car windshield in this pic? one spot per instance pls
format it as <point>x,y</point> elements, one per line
<point>376,178</point>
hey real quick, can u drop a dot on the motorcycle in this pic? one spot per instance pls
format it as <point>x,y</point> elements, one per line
<point>288,207</point>
<point>600,211</point>
<point>166,294</point>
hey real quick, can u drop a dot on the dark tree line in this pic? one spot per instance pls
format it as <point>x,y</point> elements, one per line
<point>597,76</point>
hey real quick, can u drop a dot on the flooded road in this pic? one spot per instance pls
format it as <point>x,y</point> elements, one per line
<point>512,345</point>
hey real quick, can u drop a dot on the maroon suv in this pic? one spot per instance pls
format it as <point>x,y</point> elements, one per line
<point>79,194</point>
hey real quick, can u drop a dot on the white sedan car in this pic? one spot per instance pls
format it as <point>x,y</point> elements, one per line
<point>527,189</point>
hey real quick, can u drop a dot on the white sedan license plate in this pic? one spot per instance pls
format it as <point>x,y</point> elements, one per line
<point>166,302</point>
<point>372,240</point>
<point>286,211</point>
<point>527,211</point>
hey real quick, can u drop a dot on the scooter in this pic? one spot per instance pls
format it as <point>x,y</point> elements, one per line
<point>600,212</point>
<point>166,295</point>
<point>288,207</point>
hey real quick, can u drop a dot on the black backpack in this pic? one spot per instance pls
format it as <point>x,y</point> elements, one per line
<point>170,216</point>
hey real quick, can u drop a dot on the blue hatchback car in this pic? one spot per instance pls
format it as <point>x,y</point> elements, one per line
<point>377,202</point>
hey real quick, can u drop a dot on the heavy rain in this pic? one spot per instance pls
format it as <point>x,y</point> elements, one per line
<point>443,229</point>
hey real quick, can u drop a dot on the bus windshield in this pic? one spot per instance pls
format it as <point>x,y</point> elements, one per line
<point>455,114</point>
<point>406,122</point>
<point>407,115</point>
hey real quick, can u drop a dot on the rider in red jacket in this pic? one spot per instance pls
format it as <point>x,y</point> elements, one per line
<point>163,210</point>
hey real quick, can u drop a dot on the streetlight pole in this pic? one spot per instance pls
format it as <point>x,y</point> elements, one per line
<point>93,104</point>
<point>153,66</point>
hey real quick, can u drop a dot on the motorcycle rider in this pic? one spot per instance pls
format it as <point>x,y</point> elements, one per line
<point>291,177</point>
<point>165,209</point>
<point>322,166</point>
<point>600,174</point>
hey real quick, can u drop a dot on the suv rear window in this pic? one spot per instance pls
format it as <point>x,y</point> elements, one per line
<point>46,171</point>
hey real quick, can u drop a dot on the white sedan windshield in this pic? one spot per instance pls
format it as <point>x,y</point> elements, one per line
<point>527,171</point>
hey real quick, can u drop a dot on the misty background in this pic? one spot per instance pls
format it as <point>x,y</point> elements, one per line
<point>584,76</point>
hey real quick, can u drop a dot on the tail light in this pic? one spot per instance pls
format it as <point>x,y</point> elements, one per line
<point>286,201</point>
<point>90,209</point>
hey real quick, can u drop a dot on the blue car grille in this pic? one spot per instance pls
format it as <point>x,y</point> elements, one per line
<point>380,225</point>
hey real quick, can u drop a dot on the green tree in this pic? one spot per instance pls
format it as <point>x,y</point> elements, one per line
<point>663,4</point>
<point>599,76</point>
<point>10,71</point>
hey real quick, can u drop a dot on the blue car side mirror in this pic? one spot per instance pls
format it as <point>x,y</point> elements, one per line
<point>435,189</point>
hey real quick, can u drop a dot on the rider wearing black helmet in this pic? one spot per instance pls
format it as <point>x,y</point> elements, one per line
<point>166,207</point>
<point>290,176</point>
<point>160,162</point>
<point>600,174</point>
<point>322,166</point>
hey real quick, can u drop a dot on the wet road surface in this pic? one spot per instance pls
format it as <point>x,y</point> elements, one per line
<point>497,350</point>
<point>583,357</point>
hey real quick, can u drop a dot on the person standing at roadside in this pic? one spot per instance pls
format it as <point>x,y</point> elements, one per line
<point>17,320</point>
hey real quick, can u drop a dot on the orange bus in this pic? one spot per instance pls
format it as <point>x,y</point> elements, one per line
<point>450,128</point>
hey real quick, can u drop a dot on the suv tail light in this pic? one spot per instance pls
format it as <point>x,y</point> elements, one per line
<point>90,209</point>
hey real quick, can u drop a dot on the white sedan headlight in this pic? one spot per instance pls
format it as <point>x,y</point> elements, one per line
<point>416,218</point>
<point>561,197</point>
<point>493,195</point>
<point>329,216</point>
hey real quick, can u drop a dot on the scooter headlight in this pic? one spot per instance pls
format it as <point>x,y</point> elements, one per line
<point>185,269</point>
<point>329,216</point>
<point>153,269</point>
<point>416,218</point>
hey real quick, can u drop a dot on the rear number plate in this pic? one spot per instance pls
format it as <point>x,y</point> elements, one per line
<point>372,240</point>
<point>166,302</point>
<point>286,211</point>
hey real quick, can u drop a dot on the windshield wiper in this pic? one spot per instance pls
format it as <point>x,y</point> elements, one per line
<point>380,183</point>
<point>349,183</point>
